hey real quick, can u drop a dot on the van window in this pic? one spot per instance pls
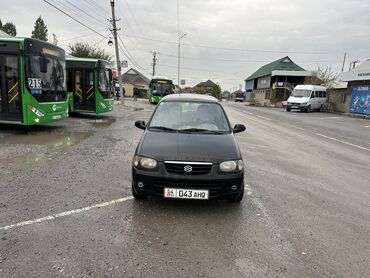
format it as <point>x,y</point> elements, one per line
<point>320,93</point>
<point>316,93</point>
<point>324,94</point>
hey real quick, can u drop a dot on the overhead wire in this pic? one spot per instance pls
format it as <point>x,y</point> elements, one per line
<point>75,13</point>
<point>93,17</point>
<point>231,49</point>
<point>78,21</point>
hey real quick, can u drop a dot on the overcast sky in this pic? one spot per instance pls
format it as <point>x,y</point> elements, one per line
<point>227,40</point>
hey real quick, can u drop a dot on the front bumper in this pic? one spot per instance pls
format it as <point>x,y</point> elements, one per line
<point>219,185</point>
<point>297,106</point>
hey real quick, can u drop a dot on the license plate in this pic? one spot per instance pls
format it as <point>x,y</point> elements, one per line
<point>186,193</point>
<point>294,106</point>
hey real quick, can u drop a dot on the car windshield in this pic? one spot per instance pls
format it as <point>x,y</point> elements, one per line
<point>190,116</point>
<point>301,93</point>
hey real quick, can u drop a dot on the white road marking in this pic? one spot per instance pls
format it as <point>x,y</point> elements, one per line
<point>343,142</point>
<point>296,127</point>
<point>248,189</point>
<point>265,118</point>
<point>63,214</point>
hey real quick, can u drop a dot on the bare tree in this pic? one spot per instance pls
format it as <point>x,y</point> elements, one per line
<point>327,75</point>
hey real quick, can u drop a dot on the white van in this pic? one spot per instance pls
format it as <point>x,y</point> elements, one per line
<point>307,98</point>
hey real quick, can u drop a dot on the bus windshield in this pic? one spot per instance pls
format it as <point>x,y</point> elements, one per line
<point>49,84</point>
<point>159,89</point>
<point>105,84</point>
<point>301,93</point>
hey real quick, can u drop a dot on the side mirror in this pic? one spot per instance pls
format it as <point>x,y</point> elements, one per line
<point>140,124</point>
<point>239,128</point>
<point>43,64</point>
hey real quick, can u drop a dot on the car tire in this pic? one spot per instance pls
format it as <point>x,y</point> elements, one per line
<point>238,197</point>
<point>288,109</point>
<point>308,109</point>
<point>137,195</point>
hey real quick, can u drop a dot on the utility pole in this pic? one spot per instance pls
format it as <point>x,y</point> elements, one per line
<point>116,47</point>
<point>344,60</point>
<point>155,60</point>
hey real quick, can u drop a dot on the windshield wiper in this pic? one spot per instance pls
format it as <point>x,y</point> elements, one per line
<point>163,128</point>
<point>200,130</point>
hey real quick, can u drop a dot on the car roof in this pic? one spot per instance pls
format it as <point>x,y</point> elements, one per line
<point>189,97</point>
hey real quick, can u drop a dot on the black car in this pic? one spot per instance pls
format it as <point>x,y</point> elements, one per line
<point>188,150</point>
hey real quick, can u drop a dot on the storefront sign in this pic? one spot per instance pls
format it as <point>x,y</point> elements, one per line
<point>360,102</point>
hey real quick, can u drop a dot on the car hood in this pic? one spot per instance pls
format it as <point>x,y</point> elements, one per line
<point>298,99</point>
<point>188,147</point>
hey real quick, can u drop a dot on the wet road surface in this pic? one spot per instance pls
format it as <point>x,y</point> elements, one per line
<point>66,208</point>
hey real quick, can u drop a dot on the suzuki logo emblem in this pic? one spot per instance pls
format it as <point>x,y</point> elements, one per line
<point>188,168</point>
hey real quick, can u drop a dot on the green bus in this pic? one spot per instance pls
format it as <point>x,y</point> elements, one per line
<point>32,82</point>
<point>160,87</point>
<point>89,83</point>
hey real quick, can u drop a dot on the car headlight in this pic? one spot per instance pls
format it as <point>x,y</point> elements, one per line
<point>304,103</point>
<point>144,162</point>
<point>231,166</point>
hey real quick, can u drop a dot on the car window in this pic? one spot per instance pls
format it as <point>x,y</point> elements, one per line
<point>190,115</point>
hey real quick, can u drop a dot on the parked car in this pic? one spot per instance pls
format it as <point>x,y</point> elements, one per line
<point>307,98</point>
<point>188,151</point>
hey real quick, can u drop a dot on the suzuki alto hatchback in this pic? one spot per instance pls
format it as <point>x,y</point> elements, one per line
<point>188,151</point>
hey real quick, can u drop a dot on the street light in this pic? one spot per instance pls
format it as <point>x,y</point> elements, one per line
<point>178,60</point>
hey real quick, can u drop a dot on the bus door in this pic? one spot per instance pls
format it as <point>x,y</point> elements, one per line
<point>10,93</point>
<point>84,93</point>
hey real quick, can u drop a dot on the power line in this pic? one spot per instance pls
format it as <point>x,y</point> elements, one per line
<point>98,20</point>
<point>237,61</point>
<point>98,9</point>
<point>133,16</point>
<point>77,14</point>
<point>129,56</point>
<point>82,36</point>
<point>83,24</point>
<point>231,49</point>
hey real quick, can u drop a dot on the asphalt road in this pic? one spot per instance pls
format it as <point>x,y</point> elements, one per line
<point>66,209</point>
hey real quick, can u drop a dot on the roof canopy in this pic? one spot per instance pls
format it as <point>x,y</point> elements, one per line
<point>361,72</point>
<point>283,64</point>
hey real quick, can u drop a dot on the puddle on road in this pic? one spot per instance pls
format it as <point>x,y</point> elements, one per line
<point>55,140</point>
<point>51,144</point>
<point>102,122</point>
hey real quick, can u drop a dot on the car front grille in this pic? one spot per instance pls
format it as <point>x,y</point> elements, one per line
<point>294,103</point>
<point>188,168</point>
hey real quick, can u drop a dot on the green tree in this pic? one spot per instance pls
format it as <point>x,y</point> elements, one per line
<point>326,76</point>
<point>83,49</point>
<point>40,31</point>
<point>8,28</point>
